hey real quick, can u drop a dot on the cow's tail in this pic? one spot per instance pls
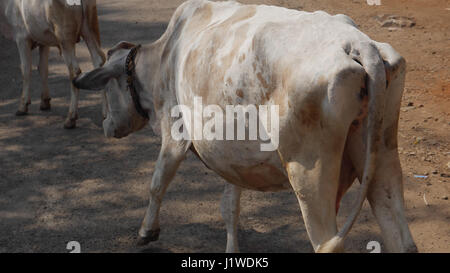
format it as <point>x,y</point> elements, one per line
<point>90,17</point>
<point>369,57</point>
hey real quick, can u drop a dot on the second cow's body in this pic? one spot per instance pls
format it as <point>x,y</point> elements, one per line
<point>45,24</point>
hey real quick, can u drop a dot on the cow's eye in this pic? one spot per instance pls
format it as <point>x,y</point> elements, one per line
<point>109,54</point>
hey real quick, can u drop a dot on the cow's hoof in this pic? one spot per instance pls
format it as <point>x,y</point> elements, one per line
<point>45,105</point>
<point>21,113</point>
<point>412,249</point>
<point>152,236</point>
<point>70,124</point>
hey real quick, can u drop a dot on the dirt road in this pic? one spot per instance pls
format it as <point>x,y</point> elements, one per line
<point>58,186</point>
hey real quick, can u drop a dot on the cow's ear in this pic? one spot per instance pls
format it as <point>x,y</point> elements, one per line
<point>95,79</point>
<point>119,46</point>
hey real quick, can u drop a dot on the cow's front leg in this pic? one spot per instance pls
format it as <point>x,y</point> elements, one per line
<point>171,155</point>
<point>24,47</point>
<point>43,72</point>
<point>68,51</point>
<point>230,208</point>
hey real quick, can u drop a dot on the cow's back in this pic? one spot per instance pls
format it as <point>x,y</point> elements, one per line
<point>248,51</point>
<point>51,22</point>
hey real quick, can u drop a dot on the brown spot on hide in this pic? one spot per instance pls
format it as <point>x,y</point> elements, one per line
<point>262,80</point>
<point>310,113</point>
<point>346,179</point>
<point>243,13</point>
<point>242,58</point>
<point>390,137</point>
<point>364,110</point>
<point>279,98</point>
<point>239,38</point>
<point>388,74</point>
<point>202,16</point>
<point>262,177</point>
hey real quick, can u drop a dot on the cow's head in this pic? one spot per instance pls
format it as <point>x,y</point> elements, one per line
<point>123,117</point>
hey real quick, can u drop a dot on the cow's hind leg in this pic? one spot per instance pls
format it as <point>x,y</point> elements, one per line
<point>43,72</point>
<point>68,50</point>
<point>171,155</point>
<point>386,191</point>
<point>24,46</point>
<point>386,194</point>
<point>230,208</point>
<point>313,164</point>
<point>386,199</point>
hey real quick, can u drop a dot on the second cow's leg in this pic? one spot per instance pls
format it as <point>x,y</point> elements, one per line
<point>98,58</point>
<point>24,47</point>
<point>43,72</point>
<point>171,155</point>
<point>230,208</point>
<point>68,51</point>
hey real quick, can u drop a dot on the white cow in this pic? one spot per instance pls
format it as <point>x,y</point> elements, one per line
<point>338,94</point>
<point>46,23</point>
